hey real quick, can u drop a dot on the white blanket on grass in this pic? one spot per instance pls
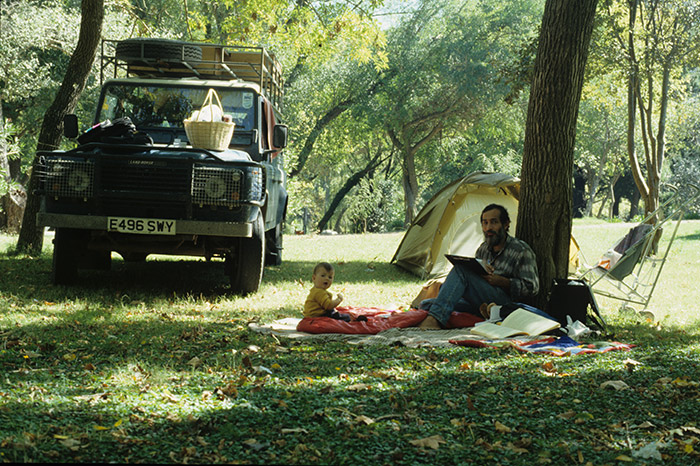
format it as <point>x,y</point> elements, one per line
<point>411,337</point>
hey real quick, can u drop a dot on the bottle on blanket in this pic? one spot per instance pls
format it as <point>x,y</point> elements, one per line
<point>320,302</point>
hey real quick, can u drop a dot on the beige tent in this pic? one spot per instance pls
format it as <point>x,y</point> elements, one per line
<point>450,223</point>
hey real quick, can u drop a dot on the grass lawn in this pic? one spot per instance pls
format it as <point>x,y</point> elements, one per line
<point>155,363</point>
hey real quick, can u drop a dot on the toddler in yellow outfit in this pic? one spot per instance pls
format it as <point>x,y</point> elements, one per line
<point>320,302</point>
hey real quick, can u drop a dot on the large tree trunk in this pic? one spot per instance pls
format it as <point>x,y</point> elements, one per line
<point>31,238</point>
<point>544,215</point>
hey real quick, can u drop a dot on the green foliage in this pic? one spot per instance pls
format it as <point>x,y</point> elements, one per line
<point>600,133</point>
<point>683,151</point>
<point>149,364</point>
<point>33,62</point>
<point>374,206</point>
<point>655,41</point>
<point>463,59</point>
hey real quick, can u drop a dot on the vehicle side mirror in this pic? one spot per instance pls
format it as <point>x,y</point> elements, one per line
<point>279,136</point>
<point>70,126</point>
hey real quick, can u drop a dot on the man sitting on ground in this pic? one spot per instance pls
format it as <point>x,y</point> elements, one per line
<point>512,276</point>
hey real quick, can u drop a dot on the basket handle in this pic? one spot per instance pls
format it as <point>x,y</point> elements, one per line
<point>208,100</point>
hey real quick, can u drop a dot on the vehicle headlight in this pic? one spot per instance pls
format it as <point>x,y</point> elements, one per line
<point>69,178</point>
<point>78,181</point>
<point>215,187</point>
<point>257,184</point>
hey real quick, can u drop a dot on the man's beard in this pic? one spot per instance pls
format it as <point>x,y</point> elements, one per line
<point>495,239</point>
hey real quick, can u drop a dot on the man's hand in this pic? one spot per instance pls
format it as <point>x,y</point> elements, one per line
<point>498,280</point>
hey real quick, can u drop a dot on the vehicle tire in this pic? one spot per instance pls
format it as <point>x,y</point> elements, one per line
<point>245,265</point>
<point>66,246</point>
<point>98,260</point>
<point>133,50</point>
<point>273,245</point>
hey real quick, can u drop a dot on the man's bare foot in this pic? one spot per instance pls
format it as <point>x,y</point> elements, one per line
<point>485,310</point>
<point>430,323</point>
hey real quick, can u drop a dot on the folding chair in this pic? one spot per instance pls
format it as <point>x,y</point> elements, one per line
<point>630,270</point>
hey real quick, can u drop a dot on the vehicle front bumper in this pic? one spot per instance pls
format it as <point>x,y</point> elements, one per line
<point>183,227</point>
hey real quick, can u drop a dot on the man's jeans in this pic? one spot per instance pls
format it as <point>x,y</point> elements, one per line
<point>465,290</point>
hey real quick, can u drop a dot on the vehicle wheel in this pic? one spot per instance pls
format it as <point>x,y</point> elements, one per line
<point>273,246</point>
<point>98,260</point>
<point>245,265</point>
<point>66,246</point>
<point>133,50</point>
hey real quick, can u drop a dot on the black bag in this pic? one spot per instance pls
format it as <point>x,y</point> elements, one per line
<point>573,298</point>
<point>119,131</point>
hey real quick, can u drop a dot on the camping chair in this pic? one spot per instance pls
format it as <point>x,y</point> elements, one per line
<point>630,270</point>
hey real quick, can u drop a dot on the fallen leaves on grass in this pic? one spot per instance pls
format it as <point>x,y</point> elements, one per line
<point>631,364</point>
<point>254,444</point>
<point>502,428</point>
<point>615,385</point>
<point>296,430</point>
<point>650,451</point>
<point>358,387</point>
<point>433,442</point>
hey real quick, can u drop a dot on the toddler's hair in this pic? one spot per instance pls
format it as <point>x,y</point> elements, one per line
<point>324,265</point>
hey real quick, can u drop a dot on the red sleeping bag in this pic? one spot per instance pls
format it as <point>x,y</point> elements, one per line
<point>378,320</point>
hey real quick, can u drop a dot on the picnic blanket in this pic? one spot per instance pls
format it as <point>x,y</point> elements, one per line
<point>378,320</point>
<point>412,337</point>
<point>395,327</point>
<point>557,346</point>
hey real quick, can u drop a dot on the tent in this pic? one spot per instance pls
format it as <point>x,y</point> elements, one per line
<point>450,223</point>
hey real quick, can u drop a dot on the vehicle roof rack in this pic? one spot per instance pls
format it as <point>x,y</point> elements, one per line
<point>165,58</point>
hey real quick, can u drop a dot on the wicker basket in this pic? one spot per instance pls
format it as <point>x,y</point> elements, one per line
<point>210,135</point>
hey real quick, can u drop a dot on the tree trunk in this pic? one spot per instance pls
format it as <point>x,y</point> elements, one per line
<point>410,184</point>
<point>594,182</point>
<point>633,95</point>
<point>544,215</point>
<point>408,155</point>
<point>320,125</point>
<point>4,171</point>
<point>31,238</point>
<point>349,184</point>
<point>339,219</point>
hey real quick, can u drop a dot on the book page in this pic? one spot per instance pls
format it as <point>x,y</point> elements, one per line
<point>529,322</point>
<point>490,330</point>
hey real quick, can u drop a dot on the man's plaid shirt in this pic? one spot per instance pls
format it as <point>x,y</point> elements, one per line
<point>517,262</point>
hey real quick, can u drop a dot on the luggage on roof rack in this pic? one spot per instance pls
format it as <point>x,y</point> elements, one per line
<point>165,58</point>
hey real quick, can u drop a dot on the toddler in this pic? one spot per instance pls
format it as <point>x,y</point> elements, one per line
<point>320,302</point>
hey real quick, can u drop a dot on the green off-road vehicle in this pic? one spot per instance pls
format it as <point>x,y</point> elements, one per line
<point>137,186</point>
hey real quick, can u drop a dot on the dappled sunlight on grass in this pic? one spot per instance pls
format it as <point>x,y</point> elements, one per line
<point>156,363</point>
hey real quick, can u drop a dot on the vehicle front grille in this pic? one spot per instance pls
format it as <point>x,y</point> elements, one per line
<point>154,177</point>
<point>150,187</point>
<point>145,188</point>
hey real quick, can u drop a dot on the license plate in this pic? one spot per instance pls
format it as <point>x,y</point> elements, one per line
<point>141,226</point>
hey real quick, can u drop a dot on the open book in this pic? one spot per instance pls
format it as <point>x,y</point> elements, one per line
<point>518,322</point>
<point>472,263</point>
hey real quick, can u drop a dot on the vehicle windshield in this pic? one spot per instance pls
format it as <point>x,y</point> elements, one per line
<point>160,110</point>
